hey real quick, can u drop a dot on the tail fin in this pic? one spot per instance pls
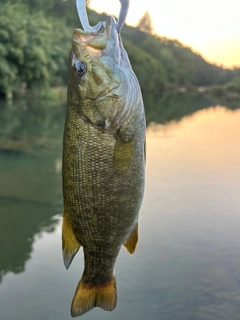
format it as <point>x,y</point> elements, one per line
<point>88,296</point>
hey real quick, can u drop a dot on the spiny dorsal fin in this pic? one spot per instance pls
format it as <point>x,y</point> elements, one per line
<point>132,240</point>
<point>70,244</point>
<point>89,296</point>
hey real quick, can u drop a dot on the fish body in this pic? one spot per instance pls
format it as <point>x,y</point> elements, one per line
<point>103,162</point>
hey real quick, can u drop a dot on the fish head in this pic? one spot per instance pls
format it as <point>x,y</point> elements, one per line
<point>93,60</point>
<point>100,75</point>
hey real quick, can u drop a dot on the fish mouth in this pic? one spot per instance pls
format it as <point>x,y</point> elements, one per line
<point>107,38</point>
<point>98,39</point>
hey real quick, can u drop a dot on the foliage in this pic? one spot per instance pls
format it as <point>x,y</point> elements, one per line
<point>230,90</point>
<point>31,55</point>
<point>182,66</point>
<point>145,66</point>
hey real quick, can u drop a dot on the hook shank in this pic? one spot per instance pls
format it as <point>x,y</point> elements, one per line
<point>82,13</point>
<point>123,14</point>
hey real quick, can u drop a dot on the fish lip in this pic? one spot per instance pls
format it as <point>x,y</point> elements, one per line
<point>108,24</point>
<point>107,41</point>
<point>90,39</point>
<point>87,33</point>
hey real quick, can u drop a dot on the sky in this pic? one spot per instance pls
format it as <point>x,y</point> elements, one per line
<point>209,27</point>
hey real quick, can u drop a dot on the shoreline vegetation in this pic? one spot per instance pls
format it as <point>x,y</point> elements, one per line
<point>35,38</point>
<point>28,126</point>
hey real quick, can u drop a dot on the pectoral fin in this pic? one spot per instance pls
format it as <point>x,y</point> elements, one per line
<point>70,244</point>
<point>132,240</point>
<point>123,153</point>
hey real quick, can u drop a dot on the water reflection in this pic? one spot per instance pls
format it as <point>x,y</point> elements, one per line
<point>30,195</point>
<point>173,107</point>
<point>29,126</point>
<point>188,260</point>
<point>30,182</point>
<point>191,220</point>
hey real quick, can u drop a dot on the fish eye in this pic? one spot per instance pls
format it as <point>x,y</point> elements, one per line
<point>79,68</point>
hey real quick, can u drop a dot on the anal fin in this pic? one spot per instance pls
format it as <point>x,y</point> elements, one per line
<point>132,241</point>
<point>70,244</point>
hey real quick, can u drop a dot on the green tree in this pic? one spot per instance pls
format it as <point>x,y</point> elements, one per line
<point>149,71</point>
<point>145,23</point>
<point>31,50</point>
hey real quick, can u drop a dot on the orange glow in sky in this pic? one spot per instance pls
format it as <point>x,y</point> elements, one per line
<point>209,27</point>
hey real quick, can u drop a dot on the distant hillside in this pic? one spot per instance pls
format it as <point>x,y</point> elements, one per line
<point>167,62</point>
<point>38,33</point>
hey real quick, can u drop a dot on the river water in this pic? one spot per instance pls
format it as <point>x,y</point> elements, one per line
<point>187,264</point>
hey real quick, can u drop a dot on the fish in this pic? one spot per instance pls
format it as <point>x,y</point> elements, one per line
<point>104,152</point>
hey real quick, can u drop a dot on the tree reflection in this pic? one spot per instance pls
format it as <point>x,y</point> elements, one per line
<point>173,107</point>
<point>30,188</point>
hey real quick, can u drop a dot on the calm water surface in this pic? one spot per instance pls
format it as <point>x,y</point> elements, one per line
<point>187,264</point>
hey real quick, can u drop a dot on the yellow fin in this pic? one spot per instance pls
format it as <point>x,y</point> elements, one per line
<point>70,244</point>
<point>132,240</point>
<point>123,154</point>
<point>89,296</point>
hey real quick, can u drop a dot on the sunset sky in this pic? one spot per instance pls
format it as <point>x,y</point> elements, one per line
<point>210,27</point>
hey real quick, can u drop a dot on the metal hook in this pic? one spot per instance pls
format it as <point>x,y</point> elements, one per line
<point>123,14</point>
<point>82,13</point>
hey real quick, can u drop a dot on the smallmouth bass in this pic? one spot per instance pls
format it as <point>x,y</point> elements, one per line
<point>103,162</point>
